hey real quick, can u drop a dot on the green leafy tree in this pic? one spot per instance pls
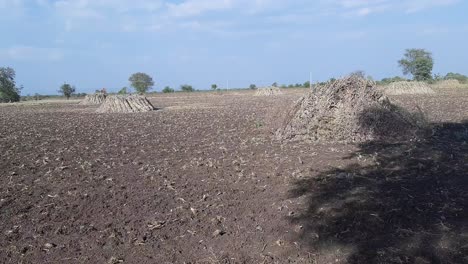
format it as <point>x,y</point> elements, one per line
<point>306,84</point>
<point>67,90</point>
<point>456,76</point>
<point>168,89</point>
<point>214,86</point>
<point>142,82</point>
<point>253,86</point>
<point>419,63</point>
<point>187,88</point>
<point>123,91</point>
<point>8,90</point>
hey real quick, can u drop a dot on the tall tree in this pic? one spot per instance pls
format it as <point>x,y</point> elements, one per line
<point>417,62</point>
<point>142,82</point>
<point>67,90</point>
<point>8,90</point>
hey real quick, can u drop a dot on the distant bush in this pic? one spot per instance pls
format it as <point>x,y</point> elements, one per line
<point>123,91</point>
<point>214,86</point>
<point>168,89</point>
<point>306,84</point>
<point>385,81</point>
<point>456,76</point>
<point>187,88</point>
<point>253,86</point>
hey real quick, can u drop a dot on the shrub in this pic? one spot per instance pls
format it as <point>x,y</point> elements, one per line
<point>168,89</point>
<point>187,88</point>
<point>456,76</point>
<point>123,91</point>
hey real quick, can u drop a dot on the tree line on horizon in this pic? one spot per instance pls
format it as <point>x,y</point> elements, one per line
<point>418,63</point>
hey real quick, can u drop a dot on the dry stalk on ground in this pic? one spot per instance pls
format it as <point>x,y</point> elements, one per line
<point>405,87</point>
<point>125,104</point>
<point>268,91</point>
<point>348,110</point>
<point>94,99</point>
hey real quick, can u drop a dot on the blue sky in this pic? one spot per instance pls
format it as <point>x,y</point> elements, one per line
<point>99,43</point>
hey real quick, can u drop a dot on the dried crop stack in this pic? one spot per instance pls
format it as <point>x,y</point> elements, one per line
<point>347,110</point>
<point>405,87</point>
<point>268,91</point>
<point>125,104</point>
<point>449,84</point>
<point>94,99</point>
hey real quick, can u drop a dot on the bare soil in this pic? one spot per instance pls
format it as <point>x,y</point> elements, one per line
<point>202,180</point>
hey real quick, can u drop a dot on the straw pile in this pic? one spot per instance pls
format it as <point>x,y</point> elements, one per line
<point>268,91</point>
<point>406,87</point>
<point>449,84</point>
<point>347,110</point>
<point>125,104</point>
<point>94,99</point>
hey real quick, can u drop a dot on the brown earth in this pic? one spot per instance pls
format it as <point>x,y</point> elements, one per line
<point>203,181</point>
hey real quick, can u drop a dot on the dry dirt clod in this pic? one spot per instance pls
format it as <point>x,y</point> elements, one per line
<point>218,232</point>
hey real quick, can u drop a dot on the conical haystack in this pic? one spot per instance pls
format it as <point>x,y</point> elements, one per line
<point>449,84</point>
<point>94,99</point>
<point>347,110</point>
<point>405,87</point>
<point>125,104</point>
<point>268,91</point>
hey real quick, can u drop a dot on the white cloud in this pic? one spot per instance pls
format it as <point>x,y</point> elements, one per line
<point>29,53</point>
<point>419,5</point>
<point>156,15</point>
<point>368,7</point>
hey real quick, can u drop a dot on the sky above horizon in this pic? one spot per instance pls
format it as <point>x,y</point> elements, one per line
<point>94,44</point>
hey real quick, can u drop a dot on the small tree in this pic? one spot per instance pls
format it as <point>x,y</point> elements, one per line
<point>187,88</point>
<point>142,82</point>
<point>67,90</point>
<point>168,89</point>
<point>253,86</point>
<point>306,84</point>
<point>214,86</point>
<point>275,84</point>
<point>419,63</point>
<point>8,90</point>
<point>123,91</point>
